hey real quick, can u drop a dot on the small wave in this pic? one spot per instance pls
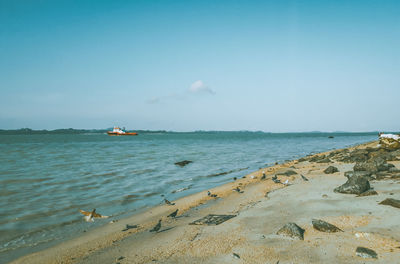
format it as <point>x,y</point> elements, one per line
<point>182,189</point>
<point>13,181</point>
<point>225,172</point>
<point>130,198</point>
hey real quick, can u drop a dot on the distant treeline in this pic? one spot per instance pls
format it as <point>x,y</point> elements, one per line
<point>28,131</point>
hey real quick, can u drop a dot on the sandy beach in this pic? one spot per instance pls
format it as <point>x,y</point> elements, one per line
<point>302,191</point>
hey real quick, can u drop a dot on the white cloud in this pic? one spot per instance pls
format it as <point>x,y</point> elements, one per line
<point>200,87</point>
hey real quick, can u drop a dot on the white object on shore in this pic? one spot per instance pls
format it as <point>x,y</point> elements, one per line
<point>392,136</point>
<point>286,182</point>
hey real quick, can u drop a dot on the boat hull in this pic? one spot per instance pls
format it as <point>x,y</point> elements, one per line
<point>110,133</point>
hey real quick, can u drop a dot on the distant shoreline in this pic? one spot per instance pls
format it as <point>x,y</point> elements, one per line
<point>69,131</point>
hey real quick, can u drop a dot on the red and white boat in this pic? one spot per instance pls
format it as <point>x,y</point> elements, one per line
<point>120,132</point>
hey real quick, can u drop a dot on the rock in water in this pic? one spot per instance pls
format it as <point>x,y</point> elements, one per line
<point>183,163</point>
<point>391,202</point>
<point>331,169</point>
<point>366,253</point>
<point>356,184</point>
<point>325,226</point>
<point>292,230</point>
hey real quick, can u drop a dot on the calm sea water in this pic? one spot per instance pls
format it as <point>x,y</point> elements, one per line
<point>46,179</point>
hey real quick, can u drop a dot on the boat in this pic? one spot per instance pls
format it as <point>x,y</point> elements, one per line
<point>120,132</point>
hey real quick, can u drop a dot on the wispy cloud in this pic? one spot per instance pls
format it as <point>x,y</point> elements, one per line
<point>200,87</point>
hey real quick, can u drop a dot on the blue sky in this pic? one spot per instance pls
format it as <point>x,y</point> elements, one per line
<point>200,65</point>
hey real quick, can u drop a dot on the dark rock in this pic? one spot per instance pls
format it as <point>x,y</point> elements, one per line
<point>358,155</point>
<point>323,226</point>
<point>303,177</point>
<point>325,160</point>
<point>366,253</point>
<point>366,174</point>
<point>183,163</point>
<point>368,193</point>
<point>331,169</point>
<point>393,170</point>
<point>356,184</point>
<point>373,166</point>
<point>395,176</point>
<point>212,219</point>
<point>292,230</point>
<point>317,158</point>
<point>302,159</point>
<point>127,227</point>
<point>383,154</point>
<point>391,202</point>
<point>382,175</point>
<point>287,173</point>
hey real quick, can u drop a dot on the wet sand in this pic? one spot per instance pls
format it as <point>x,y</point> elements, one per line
<point>250,237</point>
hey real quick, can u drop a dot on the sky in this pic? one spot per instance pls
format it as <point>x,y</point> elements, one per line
<point>274,66</point>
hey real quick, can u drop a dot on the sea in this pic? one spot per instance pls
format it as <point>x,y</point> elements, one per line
<point>46,179</point>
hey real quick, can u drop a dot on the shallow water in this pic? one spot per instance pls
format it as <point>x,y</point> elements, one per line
<point>46,179</point>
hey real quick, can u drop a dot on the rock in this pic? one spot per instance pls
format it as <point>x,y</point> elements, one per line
<point>287,173</point>
<point>331,169</point>
<point>212,219</point>
<point>356,184</point>
<point>391,202</point>
<point>383,154</point>
<point>325,160</point>
<point>366,174</point>
<point>127,227</point>
<point>318,158</point>
<point>292,230</point>
<point>373,166</point>
<point>366,253</point>
<point>183,163</point>
<point>323,226</point>
<point>368,193</point>
<point>358,155</point>
<point>393,170</point>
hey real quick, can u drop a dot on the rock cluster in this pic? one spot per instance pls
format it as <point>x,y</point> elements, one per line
<point>361,155</point>
<point>370,163</point>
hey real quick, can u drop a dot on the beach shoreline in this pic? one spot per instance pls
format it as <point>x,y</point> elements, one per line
<point>244,234</point>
